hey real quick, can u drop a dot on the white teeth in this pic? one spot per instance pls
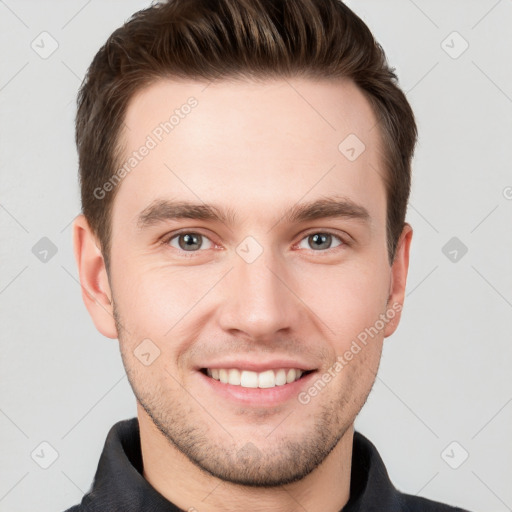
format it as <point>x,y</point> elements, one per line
<point>249,379</point>
<point>234,377</point>
<point>223,376</point>
<point>266,379</point>
<point>280,377</point>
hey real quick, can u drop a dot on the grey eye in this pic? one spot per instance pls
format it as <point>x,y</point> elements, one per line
<point>319,241</point>
<point>189,241</point>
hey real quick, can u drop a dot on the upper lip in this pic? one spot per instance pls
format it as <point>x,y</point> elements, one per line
<point>258,366</point>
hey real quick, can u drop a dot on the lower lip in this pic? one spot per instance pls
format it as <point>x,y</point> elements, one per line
<point>258,397</point>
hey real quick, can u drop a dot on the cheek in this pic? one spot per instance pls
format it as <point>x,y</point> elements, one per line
<point>347,298</point>
<point>153,298</point>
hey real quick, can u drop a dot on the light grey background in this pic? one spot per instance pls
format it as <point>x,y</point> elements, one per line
<point>445,375</point>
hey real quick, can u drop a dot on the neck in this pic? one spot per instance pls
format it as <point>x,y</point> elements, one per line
<point>188,487</point>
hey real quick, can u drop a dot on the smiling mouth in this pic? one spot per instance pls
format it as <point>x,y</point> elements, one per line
<point>250,379</point>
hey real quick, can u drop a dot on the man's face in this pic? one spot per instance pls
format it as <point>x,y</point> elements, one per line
<point>258,290</point>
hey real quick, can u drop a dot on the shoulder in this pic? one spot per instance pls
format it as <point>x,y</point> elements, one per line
<point>418,504</point>
<point>373,489</point>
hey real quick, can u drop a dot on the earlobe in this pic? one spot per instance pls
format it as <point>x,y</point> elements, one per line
<point>399,271</point>
<point>96,292</point>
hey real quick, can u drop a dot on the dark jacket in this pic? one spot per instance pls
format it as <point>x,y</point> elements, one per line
<point>120,487</point>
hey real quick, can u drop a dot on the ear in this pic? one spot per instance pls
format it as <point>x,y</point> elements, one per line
<point>398,280</point>
<point>96,292</point>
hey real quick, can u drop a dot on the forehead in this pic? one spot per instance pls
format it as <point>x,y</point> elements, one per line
<point>250,145</point>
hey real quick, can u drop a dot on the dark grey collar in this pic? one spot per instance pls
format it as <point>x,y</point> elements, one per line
<point>120,487</point>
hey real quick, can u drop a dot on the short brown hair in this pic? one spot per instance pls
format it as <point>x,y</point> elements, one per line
<point>215,39</point>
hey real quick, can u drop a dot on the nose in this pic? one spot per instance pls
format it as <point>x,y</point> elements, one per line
<point>259,300</point>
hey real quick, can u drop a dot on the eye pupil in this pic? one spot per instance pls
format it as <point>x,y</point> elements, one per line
<point>321,239</point>
<point>190,241</point>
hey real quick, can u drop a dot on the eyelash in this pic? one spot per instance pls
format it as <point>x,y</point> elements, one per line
<point>190,254</point>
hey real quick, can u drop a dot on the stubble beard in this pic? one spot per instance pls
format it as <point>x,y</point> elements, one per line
<point>273,465</point>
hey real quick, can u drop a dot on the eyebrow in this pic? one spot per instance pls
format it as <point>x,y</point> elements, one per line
<point>161,210</point>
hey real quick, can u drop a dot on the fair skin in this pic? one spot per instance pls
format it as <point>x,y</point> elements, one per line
<point>258,149</point>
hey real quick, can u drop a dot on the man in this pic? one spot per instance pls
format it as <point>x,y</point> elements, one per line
<point>245,171</point>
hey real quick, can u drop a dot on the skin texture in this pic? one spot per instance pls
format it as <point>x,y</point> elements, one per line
<point>258,148</point>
